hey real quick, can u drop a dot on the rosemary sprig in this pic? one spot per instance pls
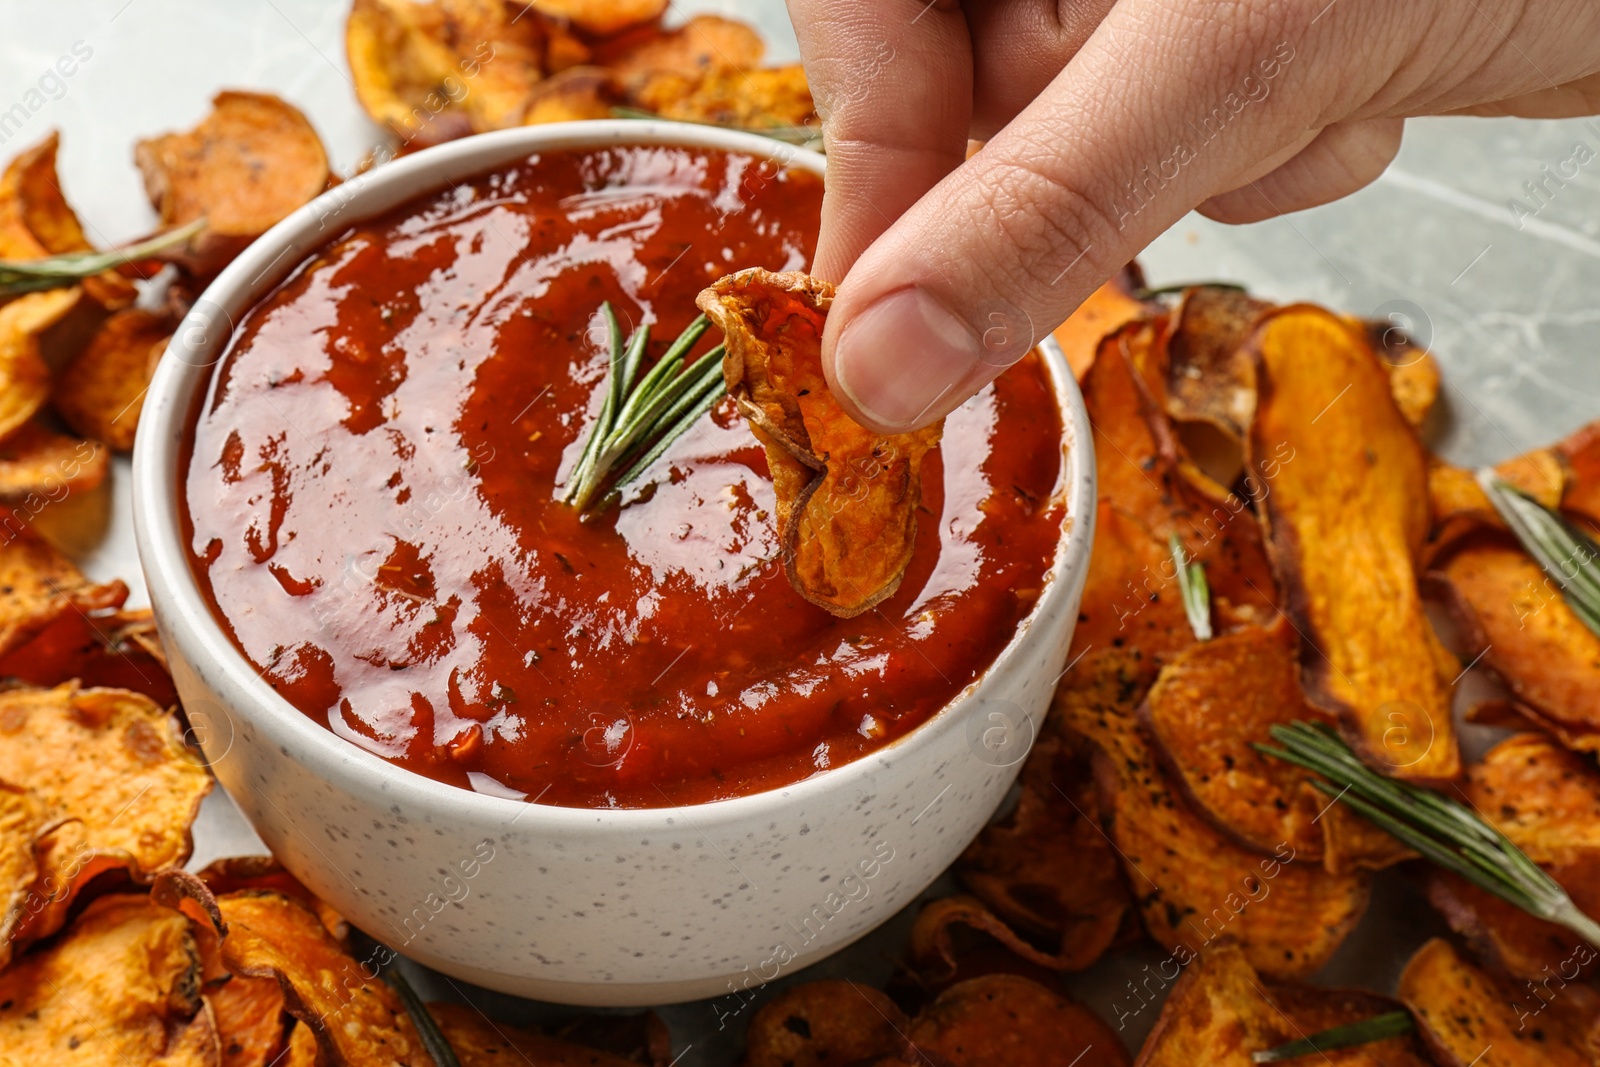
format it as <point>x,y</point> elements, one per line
<point>433,1039</point>
<point>56,272</point>
<point>1194,588</point>
<point>638,420</point>
<point>1566,553</point>
<point>1378,1028</point>
<point>1443,830</point>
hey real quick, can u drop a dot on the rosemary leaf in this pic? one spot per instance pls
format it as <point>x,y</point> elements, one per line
<point>1445,831</point>
<point>1377,1028</point>
<point>1566,553</point>
<point>433,1039</point>
<point>1194,588</point>
<point>57,272</point>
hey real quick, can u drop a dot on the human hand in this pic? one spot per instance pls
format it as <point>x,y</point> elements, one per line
<point>1107,121</point>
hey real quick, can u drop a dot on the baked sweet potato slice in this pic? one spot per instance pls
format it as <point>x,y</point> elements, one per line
<point>249,163</point>
<point>1345,508</point>
<point>24,378</point>
<point>37,462</point>
<point>820,1024</point>
<point>953,933</point>
<point>1046,869</point>
<point>358,1020</point>
<point>101,392</point>
<point>250,1020</point>
<point>478,1042</point>
<point>1009,1019</point>
<point>100,651</point>
<point>1469,1016</point>
<point>1515,619</point>
<point>703,42</point>
<point>24,820</point>
<point>121,988</point>
<point>38,584</point>
<point>1194,885</point>
<point>764,98</point>
<point>1210,376</point>
<point>602,18</point>
<point>1509,939</point>
<point>112,764</point>
<point>847,497</point>
<point>1580,453</point>
<point>574,95</point>
<point>1211,703</point>
<point>1543,797</point>
<point>1107,309</point>
<point>1221,1011</point>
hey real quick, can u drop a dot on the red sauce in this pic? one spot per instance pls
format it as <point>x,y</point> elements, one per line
<point>370,504</point>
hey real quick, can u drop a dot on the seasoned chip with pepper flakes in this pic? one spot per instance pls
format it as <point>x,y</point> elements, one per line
<point>1472,1018</point>
<point>121,988</point>
<point>847,497</point>
<point>112,763</point>
<point>357,1019</point>
<point>1346,514</point>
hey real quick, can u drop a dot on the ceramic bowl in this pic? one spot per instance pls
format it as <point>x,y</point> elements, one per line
<point>569,905</point>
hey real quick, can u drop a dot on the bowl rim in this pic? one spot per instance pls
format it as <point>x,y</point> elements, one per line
<point>179,382</point>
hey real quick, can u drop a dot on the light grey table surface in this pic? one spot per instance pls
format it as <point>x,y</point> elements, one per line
<point>1510,308</point>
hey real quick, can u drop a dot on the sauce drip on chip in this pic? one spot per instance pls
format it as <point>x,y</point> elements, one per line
<point>374,502</point>
<point>847,497</point>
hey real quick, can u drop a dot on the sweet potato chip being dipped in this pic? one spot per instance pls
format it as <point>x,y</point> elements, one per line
<point>249,163</point>
<point>847,497</point>
<point>357,1019</point>
<point>1345,508</point>
<point>120,988</point>
<point>112,764</point>
<point>37,461</point>
<point>36,220</point>
<point>1221,1011</point>
<point>1008,1019</point>
<point>101,392</point>
<point>1194,885</point>
<point>24,378</point>
<point>1471,1018</point>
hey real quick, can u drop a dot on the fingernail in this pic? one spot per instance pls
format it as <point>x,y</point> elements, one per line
<point>903,358</point>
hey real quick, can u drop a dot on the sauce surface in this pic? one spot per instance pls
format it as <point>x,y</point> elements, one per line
<point>370,503</point>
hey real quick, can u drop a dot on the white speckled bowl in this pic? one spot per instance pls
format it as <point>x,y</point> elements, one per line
<point>571,905</point>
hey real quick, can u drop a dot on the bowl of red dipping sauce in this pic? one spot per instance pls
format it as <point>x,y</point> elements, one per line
<point>613,760</point>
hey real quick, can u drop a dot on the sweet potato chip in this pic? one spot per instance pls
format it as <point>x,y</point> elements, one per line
<point>572,96</point>
<point>38,584</point>
<point>1511,613</point>
<point>24,819</point>
<point>705,41</point>
<point>249,1016</point>
<point>1580,454</point>
<point>1543,797</point>
<point>602,17</point>
<point>479,1042</point>
<point>36,220</point>
<point>1414,377</point>
<point>1221,1011</point>
<point>1008,1019</point>
<point>238,873</point>
<point>765,98</point>
<point>847,497</point>
<point>1469,1017</point>
<point>432,72</point>
<point>820,1024</point>
<point>1210,376</point>
<point>358,1019</point>
<point>24,379</point>
<point>1127,600</point>
<point>1508,938</point>
<point>101,392</point>
<point>250,162</point>
<point>1194,885</point>
<point>943,938</point>
<point>1346,512</point>
<point>1107,310</point>
<point>1046,869</point>
<point>121,988</point>
<point>110,651</point>
<point>113,765</point>
<point>37,462</point>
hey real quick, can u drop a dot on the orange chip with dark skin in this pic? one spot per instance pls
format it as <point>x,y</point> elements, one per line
<point>1208,708</point>
<point>574,95</point>
<point>38,584</point>
<point>1507,938</point>
<point>358,1020</point>
<point>121,987</point>
<point>112,764</point>
<point>1346,514</point>
<point>101,392</point>
<point>821,1024</point>
<point>703,42</point>
<point>764,98</point>
<point>236,874</point>
<point>37,462</point>
<point>847,497</point>
<point>1471,1018</point>
<point>1221,1010</point>
<point>1008,1019</point>
<point>1580,455</point>
<point>250,1020</point>
<point>24,819</point>
<point>249,163</point>
<point>24,378</point>
<point>480,1042</point>
<point>1194,885</point>
<point>1210,376</point>
<point>1105,311</point>
<point>1046,869</point>
<point>936,949</point>
<point>100,651</point>
<point>1516,621</point>
<point>602,18</point>
<point>1544,798</point>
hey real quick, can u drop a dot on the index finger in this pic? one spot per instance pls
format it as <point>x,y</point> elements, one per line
<point>893,84</point>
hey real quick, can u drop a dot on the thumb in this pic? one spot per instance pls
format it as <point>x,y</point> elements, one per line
<point>1111,154</point>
